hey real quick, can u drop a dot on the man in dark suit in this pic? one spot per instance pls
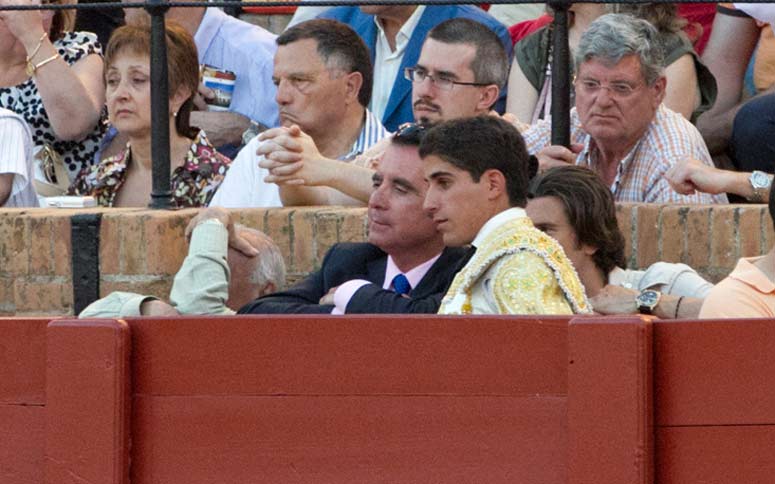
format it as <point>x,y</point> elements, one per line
<point>403,243</point>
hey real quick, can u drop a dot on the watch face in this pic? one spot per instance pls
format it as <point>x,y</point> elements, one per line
<point>759,179</point>
<point>648,298</point>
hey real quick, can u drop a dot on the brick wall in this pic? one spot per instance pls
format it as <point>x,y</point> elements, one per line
<point>140,250</point>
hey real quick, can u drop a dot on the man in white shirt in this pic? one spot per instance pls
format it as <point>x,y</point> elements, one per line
<point>573,205</point>
<point>16,188</point>
<point>460,73</point>
<point>323,76</point>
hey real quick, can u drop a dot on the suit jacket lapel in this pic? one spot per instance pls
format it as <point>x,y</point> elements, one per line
<point>444,269</point>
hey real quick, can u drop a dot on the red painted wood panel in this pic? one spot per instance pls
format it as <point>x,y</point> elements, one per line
<point>292,355</point>
<point>22,443</point>
<point>610,425</point>
<point>349,439</point>
<point>23,360</point>
<point>716,455</point>
<point>87,411</point>
<point>714,372</point>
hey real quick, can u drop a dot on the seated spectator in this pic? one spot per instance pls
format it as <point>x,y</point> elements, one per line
<point>16,189</point>
<point>619,127</point>
<point>227,43</point>
<point>394,34</point>
<point>227,266</point>
<point>465,67</point>
<point>691,88</point>
<point>323,76</point>
<point>404,268</point>
<point>478,170</point>
<point>125,180</point>
<point>749,290</point>
<point>52,78</point>
<point>572,205</point>
<point>734,127</point>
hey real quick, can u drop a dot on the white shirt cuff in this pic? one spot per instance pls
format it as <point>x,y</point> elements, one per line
<point>344,293</point>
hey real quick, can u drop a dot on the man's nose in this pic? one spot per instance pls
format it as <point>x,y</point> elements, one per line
<point>377,198</point>
<point>283,95</point>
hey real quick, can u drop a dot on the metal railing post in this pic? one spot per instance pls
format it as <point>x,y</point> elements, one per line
<point>560,74</point>
<point>161,194</point>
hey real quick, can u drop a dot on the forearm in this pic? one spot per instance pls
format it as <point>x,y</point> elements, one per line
<point>6,186</point>
<point>73,100</point>
<point>675,307</point>
<point>296,196</point>
<point>201,286</point>
<point>221,127</point>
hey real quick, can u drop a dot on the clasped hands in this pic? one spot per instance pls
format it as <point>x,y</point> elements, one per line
<point>292,157</point>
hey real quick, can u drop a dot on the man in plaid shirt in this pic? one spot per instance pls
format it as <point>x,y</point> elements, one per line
<point>619,127</point>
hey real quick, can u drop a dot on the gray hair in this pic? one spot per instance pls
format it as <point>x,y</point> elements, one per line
<point>270,265</point>
<point>614,36</point>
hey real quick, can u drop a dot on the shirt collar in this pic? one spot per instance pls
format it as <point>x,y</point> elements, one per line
<point>590,149</point>
<point>496,221</point>
<point>414,276</point>
<point>371,132</point>
<point>208,27</point>
<point>405,33</point>
<point>751,275</point>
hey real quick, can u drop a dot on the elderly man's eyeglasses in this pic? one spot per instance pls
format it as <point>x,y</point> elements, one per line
<point>418,75</point>
<point>618,90</point>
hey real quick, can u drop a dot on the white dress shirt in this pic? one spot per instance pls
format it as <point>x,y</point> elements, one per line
<point>16,159</point>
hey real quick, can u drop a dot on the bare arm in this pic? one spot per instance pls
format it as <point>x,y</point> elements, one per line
<point>522,97</point>
<point>306,177</point>
<point>6,185</point>
<point>619,300</point>
<point>683,94</point>
<point>72,95</point>
<point>727,60</point>
<point>691,175</point>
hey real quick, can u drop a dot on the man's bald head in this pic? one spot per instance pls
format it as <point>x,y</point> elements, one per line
<point>253,277</point>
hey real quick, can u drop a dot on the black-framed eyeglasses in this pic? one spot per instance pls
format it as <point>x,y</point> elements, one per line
<point>418,75</point>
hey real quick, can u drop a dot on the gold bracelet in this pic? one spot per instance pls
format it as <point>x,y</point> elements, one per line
<point>32,68</point>
<point>35,51</point>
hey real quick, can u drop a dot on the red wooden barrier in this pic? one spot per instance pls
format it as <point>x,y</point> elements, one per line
<point>610,399</point>
<point>715,401</point>
<point>22,399</point>
<point>386,399</point>
<point>357,399</point>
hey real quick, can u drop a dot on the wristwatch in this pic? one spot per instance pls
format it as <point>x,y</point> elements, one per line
<point>760,182</point>
<point>647,300</point>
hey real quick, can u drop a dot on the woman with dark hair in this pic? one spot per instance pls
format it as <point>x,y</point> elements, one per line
<point>125,179</point>
<point>52,77</point>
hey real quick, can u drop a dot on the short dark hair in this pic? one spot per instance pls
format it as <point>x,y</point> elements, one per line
<point>481,143</point>
<point>337,44</point>
<point>490,64</point>
<point>589,206</point>
<point>410,134</point>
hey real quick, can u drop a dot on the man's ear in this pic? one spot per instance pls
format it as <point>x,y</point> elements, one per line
<point>660,89</point>
<point>495,182</point>
<point>353,83</point>
<point>489,94</point>
<point>588,249</point>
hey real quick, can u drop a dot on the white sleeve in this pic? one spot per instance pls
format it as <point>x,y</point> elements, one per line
<point>244,185</point>
<point>15,151</point>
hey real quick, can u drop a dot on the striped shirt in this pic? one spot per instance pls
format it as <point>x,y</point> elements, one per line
<point>640,176</point>
<point>244,184</point>
<point>371,132</point>
<point>16,159</point>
